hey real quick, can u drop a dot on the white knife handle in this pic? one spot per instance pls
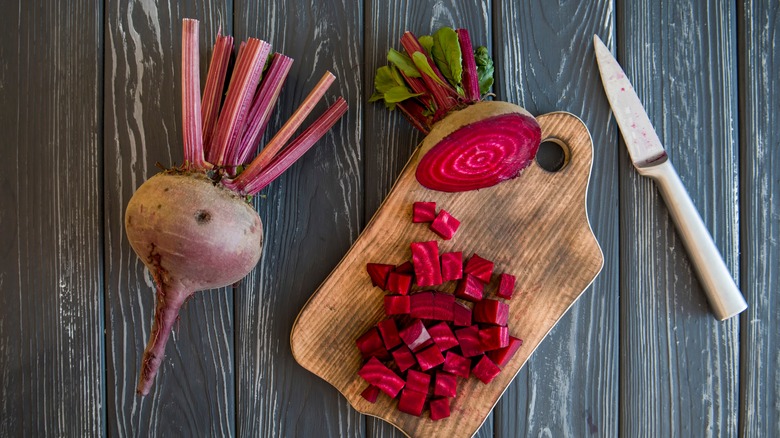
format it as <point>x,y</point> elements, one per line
<point>724,296</point>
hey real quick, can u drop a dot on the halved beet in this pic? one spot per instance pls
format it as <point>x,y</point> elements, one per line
<point>461,314</point>
<point>418,381</point>
<point>423,212</point>
<point>506,286</point>
<point>470,288</point>
<point>442,335</point>
<point>399,283</point>
<point>479,267</point>
<point>445,384</point>
<point>378,273</point>
<point>370,345</point>
<point>370,393</point>
<point>445,225</point>
<point>429,357</point>
<point>468,338</point>
<point>396,305</point>
<point>389,331</point>
<point>404,358</point>
<point>493,338</point>
<point>411,402</point>
<point>379,375</point>
<point>481,154</point>
<point>491,312</point>
<point>485,370</point>
<point>457,364</point>
<point>425,258</point>
<point>415,335</point>
<point>440,408</point>
<point>502,356</point>
<point>451,266</point>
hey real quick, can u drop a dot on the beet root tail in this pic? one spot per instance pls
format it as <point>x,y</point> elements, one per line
<point>169,301</point>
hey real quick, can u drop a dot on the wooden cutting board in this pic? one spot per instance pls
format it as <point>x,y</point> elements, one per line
<point>535,227</point>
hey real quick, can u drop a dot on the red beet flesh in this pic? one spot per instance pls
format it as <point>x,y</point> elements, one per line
<point>451,266</point>
<point>432,305</point>
<point>378,273</point>
<point>490,311</point>
<point>440,408</point>
<point>415,335</point>
<point>377,374</point>
<point>423,212</point>
<point>446,384</point>
<point>370,393</point>
<point>404,358</point>
<point>442,335</point>
<point>485,370</point>
<point>461,315</point>
<point>506,286</point>
<point>445,225</point>
<point>425,258</point>
<point>457,365</point>
<point>370,345</point>
<point>399,283</point>
<point>418,381</point>
<point>493,338</point>
<point>468,338</point>
<point>396,305</point>
<point>429,358</point>
<point>502,356</point>
<point>479,268</point>
<point>470,288</point>
<point>481,154</point>
<point>411,402</point>
<point>389,331</point>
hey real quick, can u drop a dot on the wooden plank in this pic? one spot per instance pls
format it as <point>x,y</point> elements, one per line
<point>759,24</point>
<point>679,366</point>
<point>311,215</point>
<point>194,392</point>
<point>51,305</point>
<point>544,61</point>
<point>389,138</point>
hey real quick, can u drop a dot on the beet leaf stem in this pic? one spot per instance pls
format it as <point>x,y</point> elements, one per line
<point>192,134</point>
<point>215,84</point>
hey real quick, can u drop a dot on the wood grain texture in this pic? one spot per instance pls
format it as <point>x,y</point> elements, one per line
<point>544,62</point>
<point>679,366</point>
<point>390,138</point>
<point>51,303</point>
<point>311,215</point>
<point>194,392</point>
<point>526,235</point>
<point>760,218</point>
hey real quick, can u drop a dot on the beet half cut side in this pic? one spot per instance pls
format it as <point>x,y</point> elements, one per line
<point>481,154</point>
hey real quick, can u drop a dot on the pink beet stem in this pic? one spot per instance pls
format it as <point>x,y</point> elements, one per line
<point>263,105</point>
<point>255,178</point>
<point>215,83</point>
<point>444,95</point>
<point>267,155</point>
<point>470,77</point>
<point>192,134</point>
<point>169,301</point>
<point>246,76</point>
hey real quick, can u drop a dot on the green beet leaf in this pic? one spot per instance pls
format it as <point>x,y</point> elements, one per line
<point>403,63</point>
<point>447,55</point>
<point>484,69</point>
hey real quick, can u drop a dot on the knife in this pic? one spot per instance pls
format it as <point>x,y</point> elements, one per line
<point>650,160</point>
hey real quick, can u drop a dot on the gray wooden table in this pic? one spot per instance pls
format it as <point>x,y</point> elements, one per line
<point>89,101</point>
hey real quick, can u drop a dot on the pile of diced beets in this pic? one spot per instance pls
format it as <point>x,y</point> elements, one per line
<point>431,338</point>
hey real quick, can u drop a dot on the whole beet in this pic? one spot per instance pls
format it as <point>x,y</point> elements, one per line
<point>191,235</point>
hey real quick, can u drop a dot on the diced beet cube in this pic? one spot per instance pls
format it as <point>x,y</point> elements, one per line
<point>378,273</point>
<point>491,312</point>
<point>370,393</point>
<point>457,364</point>
<point>442,335</point>
<point>421,305</point>
<point>485,370</point>
<point>377,374</point>
<point>404,358</point>
<point>479,267</point>
<point>396,304</point>
<point>389,332</point>
<point>405,268</point>
<point>418,381</point>
<point>470,288</point>
<point>461,314</point>
<point>430,357</point>
<point>502,356</point>
<point>415,335</point>
<point>493,338</point>
<point>423,212</point>
<point>411,402</point>
<point>370,344</point>
<point>506,286</point>
<point>399,283</point>
<point>451,266</point>
<point>425,258</point>
<point>445,385</point>
<point>442,306</point>
<point>440,408</point>
<point>468,338</point>
<point>445,225</point>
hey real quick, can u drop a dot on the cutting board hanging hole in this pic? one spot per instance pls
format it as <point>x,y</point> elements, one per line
<point>553,155</point>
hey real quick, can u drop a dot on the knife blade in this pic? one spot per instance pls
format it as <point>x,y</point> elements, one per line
<point>650,159</point>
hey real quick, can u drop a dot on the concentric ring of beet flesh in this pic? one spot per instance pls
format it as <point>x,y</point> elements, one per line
<point>481,154</point>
